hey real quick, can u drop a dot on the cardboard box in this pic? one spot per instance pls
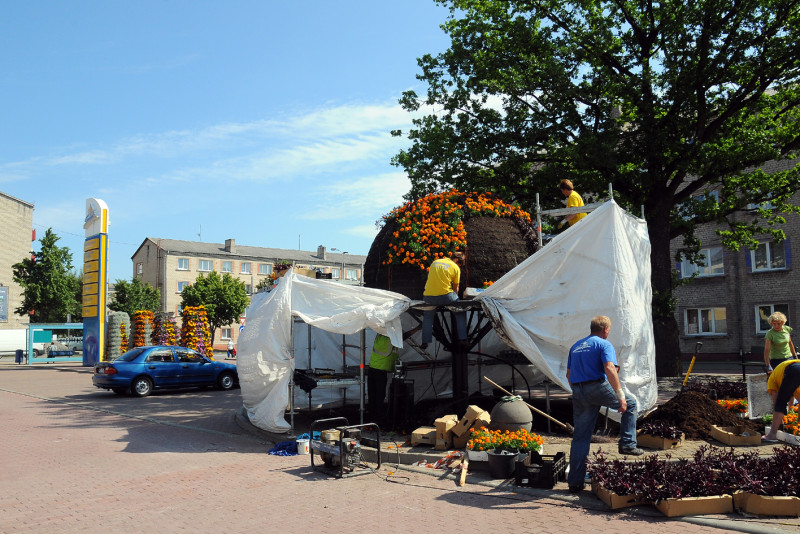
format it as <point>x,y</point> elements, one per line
<point>654,442</point>
<point>460,442</point>
<point>444,426</point>
<point>750,503</point>
<point>443,444</point>
<point>484,419</point>
<point>728,436</point>
<point>718,504</point>
<point>424,435</point>
<point>614,501</point>
<point>464,424</point>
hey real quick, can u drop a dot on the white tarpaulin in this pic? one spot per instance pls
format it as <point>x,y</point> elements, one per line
<point>599,266</point>
<point>264,355</point>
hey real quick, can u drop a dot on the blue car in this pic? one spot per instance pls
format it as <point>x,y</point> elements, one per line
<point>144,369</point>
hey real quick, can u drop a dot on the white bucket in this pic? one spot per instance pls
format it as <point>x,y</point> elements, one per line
<point>302,446</point>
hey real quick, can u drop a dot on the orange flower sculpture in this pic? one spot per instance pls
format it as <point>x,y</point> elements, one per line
<point>433,226</point>
<point>142,325</point>
<point>483,439</point>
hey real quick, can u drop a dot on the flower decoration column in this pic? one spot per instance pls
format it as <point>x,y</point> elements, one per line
<point>163,330</point>
<point>142,327</point>
<point>195,331</point>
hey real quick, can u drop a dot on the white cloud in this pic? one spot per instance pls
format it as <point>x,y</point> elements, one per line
<point>366,196</point>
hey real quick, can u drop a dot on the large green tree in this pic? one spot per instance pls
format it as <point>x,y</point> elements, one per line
<point>135,295</point>
<point>50,290</point>
<point>664,100</point>
<point>225,298</point>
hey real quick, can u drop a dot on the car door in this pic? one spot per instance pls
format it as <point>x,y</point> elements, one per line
<point>196,370</point>
<point>160,364</point>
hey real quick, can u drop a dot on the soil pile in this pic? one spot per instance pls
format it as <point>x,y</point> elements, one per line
<point>695,413</point>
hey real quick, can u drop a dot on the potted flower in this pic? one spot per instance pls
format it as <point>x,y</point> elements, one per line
<point>483,439</point>
<point>736,406</point>
<point>503,447</point>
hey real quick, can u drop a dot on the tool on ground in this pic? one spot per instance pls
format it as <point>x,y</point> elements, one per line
<point>464,469</point>
<point>697,348</point>
<point>340,447</point>
<point>567,426</point>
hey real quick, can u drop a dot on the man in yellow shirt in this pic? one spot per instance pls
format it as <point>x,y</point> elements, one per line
<point>573,200</point>
<point>783,385</point>
<point>441,289</point>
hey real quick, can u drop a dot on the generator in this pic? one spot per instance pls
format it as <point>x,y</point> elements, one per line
<point>339,447</point>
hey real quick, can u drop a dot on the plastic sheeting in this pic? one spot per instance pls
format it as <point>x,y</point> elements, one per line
<point>264,359</point>
<point>600,266</point>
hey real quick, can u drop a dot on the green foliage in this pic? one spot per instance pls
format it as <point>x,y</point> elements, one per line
<point>133,296</point>
<point>50,289</point>
<point>225,298</point>
<point>664,101</point>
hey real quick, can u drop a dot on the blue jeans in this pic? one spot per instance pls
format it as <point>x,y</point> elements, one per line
<point>587,399</point>
<point>427,316</point>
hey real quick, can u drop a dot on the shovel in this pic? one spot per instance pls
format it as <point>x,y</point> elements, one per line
<point>567,426</point>
<point>697,348</point>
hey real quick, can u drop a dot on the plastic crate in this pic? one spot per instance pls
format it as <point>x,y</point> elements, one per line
<point>543,472</point>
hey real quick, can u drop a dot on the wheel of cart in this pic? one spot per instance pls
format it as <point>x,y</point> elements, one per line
<point>339,447</point>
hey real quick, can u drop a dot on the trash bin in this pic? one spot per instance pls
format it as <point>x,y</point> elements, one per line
<point>19,355</point>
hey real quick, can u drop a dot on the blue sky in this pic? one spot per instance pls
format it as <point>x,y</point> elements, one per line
<point>267,122</point>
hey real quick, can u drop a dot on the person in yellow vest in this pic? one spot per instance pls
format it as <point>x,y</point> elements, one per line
<point>573,200</point>
<point>441,289</point>
<point>783,385</point>
<point>381,363</point>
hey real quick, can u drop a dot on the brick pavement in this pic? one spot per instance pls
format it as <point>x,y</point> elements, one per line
<point>76,459</point>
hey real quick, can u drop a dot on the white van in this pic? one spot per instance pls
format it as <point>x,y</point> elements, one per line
<point>15,339</point>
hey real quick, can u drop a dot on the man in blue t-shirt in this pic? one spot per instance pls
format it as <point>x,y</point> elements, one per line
<point>592,375</point>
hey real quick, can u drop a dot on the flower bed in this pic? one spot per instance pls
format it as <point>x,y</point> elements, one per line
<point>483,439</point>
<point>713,472</point>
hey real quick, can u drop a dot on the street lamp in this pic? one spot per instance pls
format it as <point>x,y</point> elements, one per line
<point>343,253</point>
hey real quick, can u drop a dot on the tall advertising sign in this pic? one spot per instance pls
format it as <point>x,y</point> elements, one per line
<point>95,281</point>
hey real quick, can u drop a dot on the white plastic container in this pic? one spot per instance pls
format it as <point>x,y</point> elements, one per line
<point>302,446</point>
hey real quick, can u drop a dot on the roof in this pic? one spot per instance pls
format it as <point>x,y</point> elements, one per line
<point>198,248</point>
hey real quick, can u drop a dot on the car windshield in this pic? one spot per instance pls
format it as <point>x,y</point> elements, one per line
<point>130,355</point>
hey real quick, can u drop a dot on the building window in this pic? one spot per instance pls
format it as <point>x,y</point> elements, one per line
<point>225,334</point>
<point>351,274</point>
<point>712,258</point>
<point>704,321</point>
<point>205,265</point>
<point>183,264</point>
<point>249,289</point>
<point>335,272</point>
<point>768,256</point>
<point>227,266</point>
<point>139,268</point>
<point>179,310</point>
<point>182,286</point>
<point>265,268</point>
<point>245,267</point>
<point>764,311</point>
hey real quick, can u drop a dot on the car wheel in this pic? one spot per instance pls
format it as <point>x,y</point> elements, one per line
<point>142,387</point>
<point>226,381</point>
<point>36,353</point>
<point>120,391</point>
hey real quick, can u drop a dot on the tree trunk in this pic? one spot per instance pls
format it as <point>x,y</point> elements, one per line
<point>665,327</point>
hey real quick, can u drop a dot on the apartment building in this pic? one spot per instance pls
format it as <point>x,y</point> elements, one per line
<point>16,234</point>
<point>727,305</point>
<point>170,265</point>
